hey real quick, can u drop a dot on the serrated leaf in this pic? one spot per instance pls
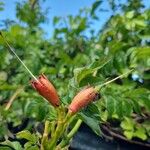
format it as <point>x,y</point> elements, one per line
<point>110,104</point>
<point>136,106</point>
<point>92,123</point>
<point>28,136</point>
<point>92,109</point>
<point>91,80</point>
<point>118,109</point>
<point>81,73</point>
<point>126,108</point>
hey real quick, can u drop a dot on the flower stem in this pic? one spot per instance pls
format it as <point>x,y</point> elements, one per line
<point>45,134</point>
<point>67,139</point>
<point>53,124</point>
<point>61,127</point>
<point>108,82</point>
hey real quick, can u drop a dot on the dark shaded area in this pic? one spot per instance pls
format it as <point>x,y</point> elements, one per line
<point>85,139</point>
<point>18,128</point>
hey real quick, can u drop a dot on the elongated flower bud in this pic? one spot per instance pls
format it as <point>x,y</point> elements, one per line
<point>46,89</point>
<point>82,99</point>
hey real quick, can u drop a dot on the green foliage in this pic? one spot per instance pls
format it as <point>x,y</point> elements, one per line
<point>1,6</point>
<point>14,145</point>
<point>30,13</point>
<point>73,60</point>
<point>92,123</point>
<point>95,6</point>
<point>131,129</point>
<point>32,140</point>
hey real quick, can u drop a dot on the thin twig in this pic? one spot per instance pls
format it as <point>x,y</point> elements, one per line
<point>13,97</point>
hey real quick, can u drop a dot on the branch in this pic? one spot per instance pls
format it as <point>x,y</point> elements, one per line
<point>113,134</point>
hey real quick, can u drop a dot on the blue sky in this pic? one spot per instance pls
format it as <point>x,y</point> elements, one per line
<point>59,8</point>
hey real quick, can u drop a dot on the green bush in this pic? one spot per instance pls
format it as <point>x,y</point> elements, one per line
<point>72,60</point>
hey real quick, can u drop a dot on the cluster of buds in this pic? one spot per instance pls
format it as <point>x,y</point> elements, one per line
<point>46,89</point>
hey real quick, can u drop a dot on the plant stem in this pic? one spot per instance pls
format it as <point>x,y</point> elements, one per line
<point>67,139</point>
<point>54,138</point>
<point>45,134</point>
<point>108,82</point>
<point>61,126</point>
<point>53,124</point>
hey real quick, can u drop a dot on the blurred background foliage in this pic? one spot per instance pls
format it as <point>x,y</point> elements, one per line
<point>71,60</point>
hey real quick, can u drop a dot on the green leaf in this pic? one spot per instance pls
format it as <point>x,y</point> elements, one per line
<point>33,148</point>
<point>136,106</point>
<point>110,105</point>
<point>1,6</point>
<point>3,76</point>
<point>128,134</point>
<point>42,111</point>
<point>98,64</point>
<point>140,133</point>
<point>141,96</point>
<point>130,25</point>
<point>119,108</point>
<point>95,6</point>
<point>92,109</point>
<point>30,146</point>
<point>146,126</point>
<point>104,115</point>
<point>91,80</point>
<point>56,20</point>
<point>146,101</point>
<point>92,123</point>
<point>28,136</point>
<point>140,22</point>
<point>130,14</point>
<point>126,108</point>
<point>81,26</point>
<point>81,73</point>
<point>14,145</point>
<point>5,148</point>
<point>127,124</point>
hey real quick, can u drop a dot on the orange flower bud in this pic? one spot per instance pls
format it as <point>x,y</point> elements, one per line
<point>46,89</point>
<point>82,99</point>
